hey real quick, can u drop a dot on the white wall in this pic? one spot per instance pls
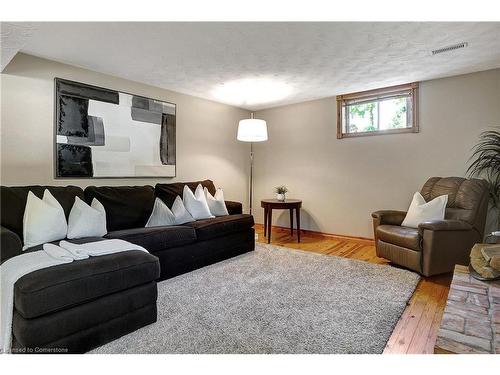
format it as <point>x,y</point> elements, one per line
<point>342,181</point>
<point>206,130</point>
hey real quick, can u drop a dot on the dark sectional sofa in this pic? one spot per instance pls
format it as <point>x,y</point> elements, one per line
<point>81,305</point>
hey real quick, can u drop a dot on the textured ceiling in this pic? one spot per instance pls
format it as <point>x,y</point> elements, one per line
<point>13,38</point>
<point>303,61</point>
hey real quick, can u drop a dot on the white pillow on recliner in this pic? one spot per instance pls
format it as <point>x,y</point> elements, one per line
<point>421,211</point>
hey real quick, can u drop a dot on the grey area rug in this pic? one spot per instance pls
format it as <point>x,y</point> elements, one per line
<point>275,300</point>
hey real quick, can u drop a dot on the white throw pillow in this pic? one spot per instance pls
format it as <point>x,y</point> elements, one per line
<point>196,203</point>
<point>85,220</point>
<point>181,214</point>
<point>161,215</point>
<point>43,220</point>
<point>216,203</point>
<point>421,211</point>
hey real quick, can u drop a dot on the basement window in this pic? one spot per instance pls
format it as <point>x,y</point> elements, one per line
<point>388,110</point>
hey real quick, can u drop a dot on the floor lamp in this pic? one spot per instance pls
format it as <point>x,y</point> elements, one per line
<point>252,130</point>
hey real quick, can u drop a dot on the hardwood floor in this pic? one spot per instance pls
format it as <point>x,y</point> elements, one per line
<point>417,328</point>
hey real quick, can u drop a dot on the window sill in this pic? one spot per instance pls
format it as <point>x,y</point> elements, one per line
<point>378,132</point>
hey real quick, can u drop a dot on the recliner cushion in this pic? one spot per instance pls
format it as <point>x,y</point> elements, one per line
<point>60,287</point>
<point>400,236</point>
<point>156,239</point>
<point>221,226</point>
<point>464,197</point>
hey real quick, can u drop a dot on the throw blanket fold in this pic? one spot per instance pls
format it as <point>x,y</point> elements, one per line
<point>51,255</point>
<point>98,248</point>
<point>74,254</point>
<point>58,253</point>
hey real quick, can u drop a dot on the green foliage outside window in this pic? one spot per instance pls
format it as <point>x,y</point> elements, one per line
<point>361,110</point>
<point>397,120</point>
<point>369,110</point>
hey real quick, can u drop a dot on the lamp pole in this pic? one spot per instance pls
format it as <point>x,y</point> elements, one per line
<point>251,171</point>
<point>251,174</point>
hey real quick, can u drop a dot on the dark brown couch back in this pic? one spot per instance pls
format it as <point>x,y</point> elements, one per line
<point>168,192</point>
<point>13,202</point>
<point>126,206</point>
<point>467,198</point>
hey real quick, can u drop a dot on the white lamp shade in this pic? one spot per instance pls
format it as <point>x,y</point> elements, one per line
<point>252,130</point>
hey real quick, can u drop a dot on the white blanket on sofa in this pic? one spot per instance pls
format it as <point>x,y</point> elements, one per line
<point>51,255</point>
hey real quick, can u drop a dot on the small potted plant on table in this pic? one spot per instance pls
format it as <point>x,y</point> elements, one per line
<point>281,192</point>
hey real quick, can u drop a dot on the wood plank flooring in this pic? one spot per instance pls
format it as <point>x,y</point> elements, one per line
<point>417,328</point>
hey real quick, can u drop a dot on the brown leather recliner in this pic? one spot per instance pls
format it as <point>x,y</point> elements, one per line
<point>436,246</point>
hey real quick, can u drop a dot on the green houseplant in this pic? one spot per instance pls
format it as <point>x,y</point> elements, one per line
<point>485,162</point>
<point>281,192</point>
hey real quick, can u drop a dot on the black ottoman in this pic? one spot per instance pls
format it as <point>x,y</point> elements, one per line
<point>75,307</point>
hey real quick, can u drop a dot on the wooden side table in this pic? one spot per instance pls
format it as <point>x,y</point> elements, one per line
<point>273,204</point>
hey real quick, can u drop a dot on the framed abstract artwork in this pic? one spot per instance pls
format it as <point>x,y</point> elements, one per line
<point>103,133</point>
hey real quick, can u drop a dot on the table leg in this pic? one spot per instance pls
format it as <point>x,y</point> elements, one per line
<point>269,223</point>
<point>265,221</point>
<point>291,221</point>
<point>297,210</point>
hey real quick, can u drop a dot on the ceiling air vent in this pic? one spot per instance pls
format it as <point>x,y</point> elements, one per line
<point>450,48</point>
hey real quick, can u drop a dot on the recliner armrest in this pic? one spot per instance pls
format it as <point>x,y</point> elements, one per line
<point>389,217</point>
<point>234,208</point>
<point>444,225</point>
<point>10,244</point>
<point>444,244</point>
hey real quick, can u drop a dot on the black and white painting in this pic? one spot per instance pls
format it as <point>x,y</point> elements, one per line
<point>106,133</point>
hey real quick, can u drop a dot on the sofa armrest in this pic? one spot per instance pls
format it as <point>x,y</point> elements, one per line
<point>234,208</point>
<point>444,225</point>
<point>389,217</point>
<point>10,244</point>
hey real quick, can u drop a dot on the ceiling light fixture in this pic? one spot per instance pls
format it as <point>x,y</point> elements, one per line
<point>252,91</point>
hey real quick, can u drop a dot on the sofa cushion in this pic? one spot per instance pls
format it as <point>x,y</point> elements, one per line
<point>156,239</point>
<point>13,202</point>
<point>168,192</point>
<point>401,236</point>
<point>126,206</point>
<point>51,327</point>
<point>60,287</point>
<point>221,226</point>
